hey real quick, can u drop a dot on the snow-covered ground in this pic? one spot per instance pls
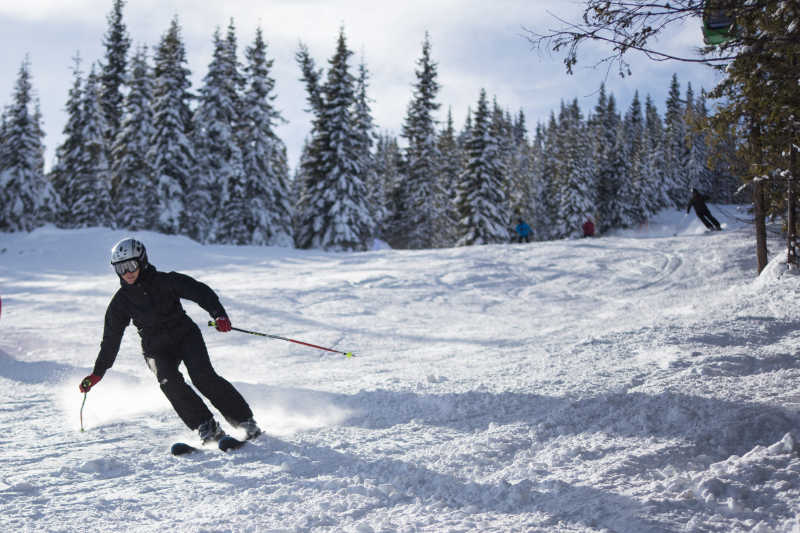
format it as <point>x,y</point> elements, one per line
<point>637,382</point>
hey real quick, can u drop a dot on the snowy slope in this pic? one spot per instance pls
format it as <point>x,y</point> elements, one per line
<point>643,381</point>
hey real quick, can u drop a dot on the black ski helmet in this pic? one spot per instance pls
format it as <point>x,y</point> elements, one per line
<point>129,249</point>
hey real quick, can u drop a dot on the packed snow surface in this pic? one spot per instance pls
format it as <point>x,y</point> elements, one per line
<point>636,382</point>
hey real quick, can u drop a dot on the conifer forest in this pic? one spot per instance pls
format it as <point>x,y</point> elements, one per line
<point>144,150</point>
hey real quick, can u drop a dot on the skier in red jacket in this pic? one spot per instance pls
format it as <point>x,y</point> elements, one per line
<point>588,227</point>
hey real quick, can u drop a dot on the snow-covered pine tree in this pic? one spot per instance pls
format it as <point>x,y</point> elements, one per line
<point>619,174</point>
<point>725,181</point>
<point>389,168</point>
<point>171,153</point>
<point>450,167</point>
<point>548,169</point>
<point>113,71</point>
<point>520,195</point>
<point>698,175</point>
<point>424,197</point>
<point>217,194</point>
<point>68,152</point>
<point>481,201</point>
<point>268,211</point>
<point>4,150</point>
<point>365,131</point>
<point>605,123</point>
<point>577,191</point>
<point>298,187</point>
<point>307,173</point>
<point>466,132</point>
<point>658,195</point>
<point>538,215</point>
<point>38,122</point>
<point>90,187</point>
<point>134,182</point>
<point>335,215</point>
<point>634,147</point>
<point>676,150</point>
<point>27,199</point>
<point>503,129</point>
<point>521,192</point>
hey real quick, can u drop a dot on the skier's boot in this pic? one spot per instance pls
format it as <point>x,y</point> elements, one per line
<point>251,428</point>
<point>210,431</point>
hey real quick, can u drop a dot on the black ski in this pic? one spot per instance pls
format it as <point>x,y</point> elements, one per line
<point>181,448</point>
<point>226,443</point>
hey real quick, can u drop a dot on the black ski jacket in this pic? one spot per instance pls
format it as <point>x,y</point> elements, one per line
<point>698,201</point>
<point>153,304</point>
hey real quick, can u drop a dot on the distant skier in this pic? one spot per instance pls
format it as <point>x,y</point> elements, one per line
<point>588,227</point>
<point>523,231</point>
<point>698,201</point>
<point>151,299</point>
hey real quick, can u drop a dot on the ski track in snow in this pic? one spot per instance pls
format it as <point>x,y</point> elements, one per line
<point>638,382</point>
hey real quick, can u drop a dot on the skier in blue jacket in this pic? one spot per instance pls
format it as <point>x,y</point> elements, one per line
<point>523,231</point>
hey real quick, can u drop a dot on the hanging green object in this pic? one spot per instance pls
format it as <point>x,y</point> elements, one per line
<point>717,25</point>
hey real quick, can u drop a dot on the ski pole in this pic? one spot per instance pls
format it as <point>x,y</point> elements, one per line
<point>85,394</point>
<point>346,354</point>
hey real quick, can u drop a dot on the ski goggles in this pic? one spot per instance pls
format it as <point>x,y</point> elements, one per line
<point>123,267</point>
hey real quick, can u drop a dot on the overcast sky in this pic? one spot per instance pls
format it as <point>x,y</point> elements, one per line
<point>476,44</point>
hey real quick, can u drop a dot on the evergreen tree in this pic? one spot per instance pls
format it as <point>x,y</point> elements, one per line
<point>90,187</point>
<point>312,78</point>
<point>365,131</point>
<point>605,124</point>
<point>135,186</point>
<point>549,172</point>
<point>655,174</point>
<point>113,71</point>
<point>267,214</point>
<point>521,196</point>
<point>538,215</point>
<point>466,132</point>
<point>171,153</point>
<point>450,167</point>
<point>4,149</point>
<point>676,149</point>
<point>502,126</point>
<point>335,215</point>
<point>635,147</point>
<point>307,173</point>
<point>301,182</point>
<point>217,195</point>
<point>68,153</point>
<point>423,195</point>
<point>576,192</point>
<point>698,175</point>
<point>481,201</point>
<point>389,169</point>
<point>38,124</point>
<point>27,199</point>
<point>725,179</point>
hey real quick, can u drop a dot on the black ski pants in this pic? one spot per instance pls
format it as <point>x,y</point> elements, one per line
<point>191,351</point>
<point>708,219</point>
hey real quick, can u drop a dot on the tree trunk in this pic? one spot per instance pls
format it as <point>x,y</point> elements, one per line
<point>760,224</point>
<point>759,202</point>
<point>791,224</point>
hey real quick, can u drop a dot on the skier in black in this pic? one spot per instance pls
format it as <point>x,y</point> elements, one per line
<point>151,299</point>
<point>698,201</point>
